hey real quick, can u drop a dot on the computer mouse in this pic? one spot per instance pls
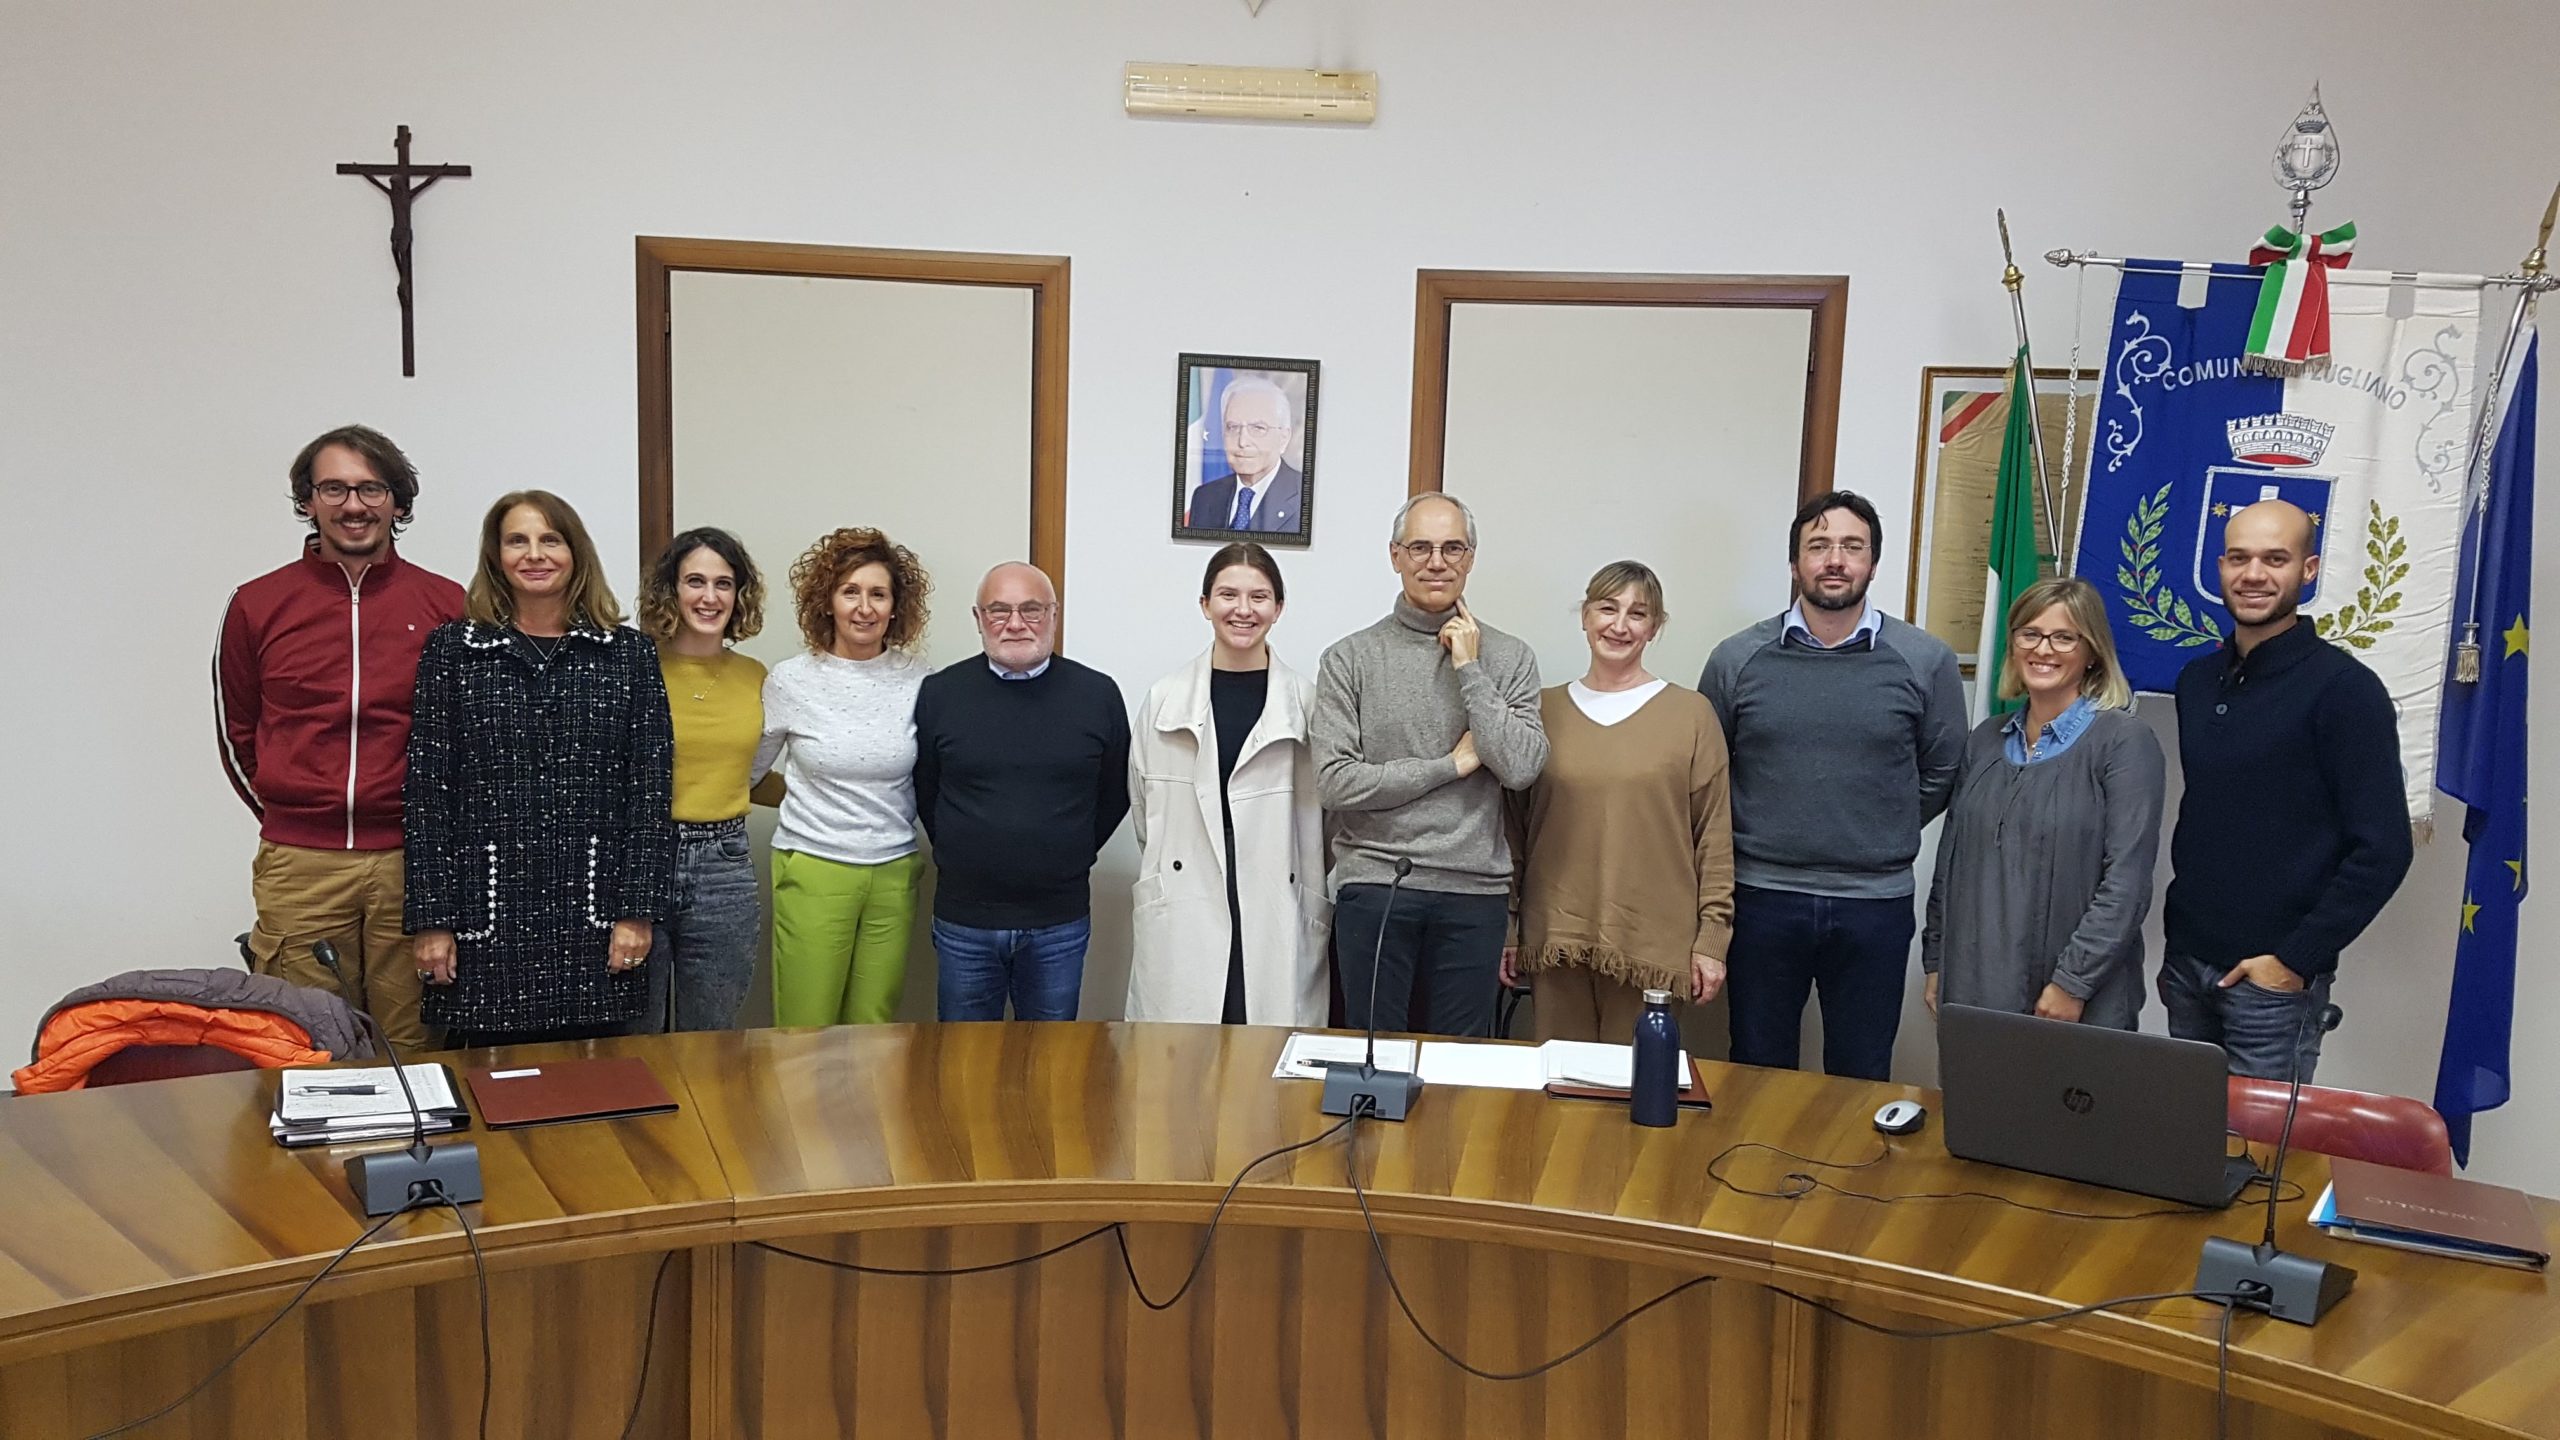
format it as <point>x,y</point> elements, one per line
<point>1900,1117</point>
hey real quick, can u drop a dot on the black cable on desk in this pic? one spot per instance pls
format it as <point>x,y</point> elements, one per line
<point>1199,1260</point>
<point>1118,1229</point>
<point>648,1343</point>
<point>1800,1183</point>
<point>2228,1301</point>
<point>260,1333</point>
<point>1377,1244</point>
<point>480,1272</point>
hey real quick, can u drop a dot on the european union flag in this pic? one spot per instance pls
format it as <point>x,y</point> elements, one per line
<point>2480,761</point>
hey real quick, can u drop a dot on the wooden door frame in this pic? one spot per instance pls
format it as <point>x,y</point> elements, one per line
<point>1825,296</point>
<point>658,257</point>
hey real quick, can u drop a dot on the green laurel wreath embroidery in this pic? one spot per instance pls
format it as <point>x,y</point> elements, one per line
<point>2156,609</point>
<point>2365,619</point>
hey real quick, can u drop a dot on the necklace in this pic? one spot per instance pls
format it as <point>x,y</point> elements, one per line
<point>545,646</point>
<point>703,689</point>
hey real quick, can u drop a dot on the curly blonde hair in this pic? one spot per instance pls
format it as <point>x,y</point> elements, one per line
<point>660,609</point>
<point>823,567</point>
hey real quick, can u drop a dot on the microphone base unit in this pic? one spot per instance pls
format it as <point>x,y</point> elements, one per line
<point>2289,1287</point>
<point>390,1180</point>
<point>1388,1093</point>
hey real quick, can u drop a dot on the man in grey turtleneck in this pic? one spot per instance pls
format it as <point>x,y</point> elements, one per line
<point>1421,722</point>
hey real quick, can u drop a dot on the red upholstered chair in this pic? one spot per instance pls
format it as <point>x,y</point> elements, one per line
<point>2388,1130</point>
<point>167,1062</point>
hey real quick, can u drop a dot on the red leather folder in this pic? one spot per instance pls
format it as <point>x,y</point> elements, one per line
<point>546,1092</point>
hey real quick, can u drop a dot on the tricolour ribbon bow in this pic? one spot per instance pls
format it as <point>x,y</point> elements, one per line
<point>2292,323</point>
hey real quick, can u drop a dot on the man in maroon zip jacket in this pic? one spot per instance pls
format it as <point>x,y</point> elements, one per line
<point>311,685</point>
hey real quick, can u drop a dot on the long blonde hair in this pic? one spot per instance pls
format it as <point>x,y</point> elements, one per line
<point>492,602</point>
<point>2103,681</point>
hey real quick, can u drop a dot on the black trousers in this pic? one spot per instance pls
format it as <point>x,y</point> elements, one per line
<point>1440,966</point>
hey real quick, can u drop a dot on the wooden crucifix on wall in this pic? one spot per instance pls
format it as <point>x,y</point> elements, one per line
<point>403,183</point>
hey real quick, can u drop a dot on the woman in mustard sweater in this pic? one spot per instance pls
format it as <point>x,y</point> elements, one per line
<point>1623,850</point>
<point>701,597</point>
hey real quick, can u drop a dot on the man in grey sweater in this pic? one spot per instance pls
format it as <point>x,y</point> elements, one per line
<point>1421,722</point>
<point>1846,728</point>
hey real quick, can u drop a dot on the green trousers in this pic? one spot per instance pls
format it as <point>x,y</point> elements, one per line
<point>840,938</point>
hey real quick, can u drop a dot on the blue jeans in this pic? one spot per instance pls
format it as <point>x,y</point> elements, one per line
<point>1786,945</point>
<point>705,950</point>
<point>1041,971</point>
<point>2257,1028</point>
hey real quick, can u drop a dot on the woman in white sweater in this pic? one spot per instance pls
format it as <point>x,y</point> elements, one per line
<point>839,722</point>
<point>1230,916</point>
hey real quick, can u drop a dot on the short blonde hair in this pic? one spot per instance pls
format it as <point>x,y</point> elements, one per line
<point>2103,682</point>
<point>1617,575</point>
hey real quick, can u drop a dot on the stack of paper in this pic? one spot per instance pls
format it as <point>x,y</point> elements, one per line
<point>337,1107</point>
<point>1481,1064</point>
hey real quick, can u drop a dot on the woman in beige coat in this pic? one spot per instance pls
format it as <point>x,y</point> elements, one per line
<point>1219,768</point>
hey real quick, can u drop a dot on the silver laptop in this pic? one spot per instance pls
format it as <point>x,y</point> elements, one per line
<point>2083,1102</point>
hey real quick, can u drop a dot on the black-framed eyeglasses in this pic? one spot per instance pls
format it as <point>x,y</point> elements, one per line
<point>2060,642</point>
<point>1419,551</point>
<point>371,492</point>
<point>1031,611</point>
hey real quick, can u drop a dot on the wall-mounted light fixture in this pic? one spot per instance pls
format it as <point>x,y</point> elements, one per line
<point>1246,92</point>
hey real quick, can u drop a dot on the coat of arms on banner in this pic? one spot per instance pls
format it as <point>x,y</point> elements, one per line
<point>2261,443</point>
<point>2369,444</point>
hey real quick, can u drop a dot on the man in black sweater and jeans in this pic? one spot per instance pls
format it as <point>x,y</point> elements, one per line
<point>1022,772</point>
<point>2293,831</point>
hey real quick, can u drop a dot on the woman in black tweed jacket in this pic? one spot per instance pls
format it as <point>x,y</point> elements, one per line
<point>540,852</point>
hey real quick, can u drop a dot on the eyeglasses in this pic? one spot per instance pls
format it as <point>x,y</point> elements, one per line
<point>2060,642</point>
<point>371,492</point>
<point>1254,430</point>
<point>1845,549</point>
<point>1419,551</point>
<point>1032,612</point>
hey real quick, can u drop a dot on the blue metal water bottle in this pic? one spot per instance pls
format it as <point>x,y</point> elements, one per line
<point>1655,1098</point>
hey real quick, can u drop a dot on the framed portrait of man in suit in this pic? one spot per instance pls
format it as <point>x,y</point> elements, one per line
<point>1244,448</point>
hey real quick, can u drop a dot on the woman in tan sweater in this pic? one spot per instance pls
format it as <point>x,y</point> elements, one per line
<point>1623,850</point>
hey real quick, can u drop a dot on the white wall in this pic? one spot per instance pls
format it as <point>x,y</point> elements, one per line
<point>187,293</point>
<point>1583,434</point>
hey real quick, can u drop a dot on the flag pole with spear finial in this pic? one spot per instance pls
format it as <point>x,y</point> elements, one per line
<point>2014,281</point>
<point>2466,653</point>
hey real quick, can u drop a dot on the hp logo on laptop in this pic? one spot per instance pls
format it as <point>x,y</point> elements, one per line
<point>2078,1101</point>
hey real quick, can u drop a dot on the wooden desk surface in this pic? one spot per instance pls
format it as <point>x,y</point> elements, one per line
<point>132,1209</point>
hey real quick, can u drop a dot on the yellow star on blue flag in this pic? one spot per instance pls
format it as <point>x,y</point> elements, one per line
<point>2517,637</point>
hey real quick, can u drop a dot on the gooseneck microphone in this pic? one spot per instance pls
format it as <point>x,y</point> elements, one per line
<point>1382,1094</point>
<point>2272,1281</point>
<point>391,1180</point>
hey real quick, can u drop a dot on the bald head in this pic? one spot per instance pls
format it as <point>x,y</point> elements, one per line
<point>1017,615</point>
<point>2271,522</point>
<point>1014,576</point>
<point>2270,552</point>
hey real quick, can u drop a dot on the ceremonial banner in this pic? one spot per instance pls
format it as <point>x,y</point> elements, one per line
<point>2372,444</point>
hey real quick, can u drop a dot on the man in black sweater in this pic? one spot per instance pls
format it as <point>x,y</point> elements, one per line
<point>1022,772</point>
<point>2293,831</point>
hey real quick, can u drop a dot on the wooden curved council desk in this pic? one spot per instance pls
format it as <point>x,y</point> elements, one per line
<point>146,1230</point>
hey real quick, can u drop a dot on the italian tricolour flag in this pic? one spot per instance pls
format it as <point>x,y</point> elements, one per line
<point>2015,561</point>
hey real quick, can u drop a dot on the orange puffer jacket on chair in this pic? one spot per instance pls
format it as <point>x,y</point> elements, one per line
<point>262,1019</point>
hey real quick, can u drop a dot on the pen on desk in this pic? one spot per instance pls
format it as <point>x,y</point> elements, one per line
<point>343,1089</point>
